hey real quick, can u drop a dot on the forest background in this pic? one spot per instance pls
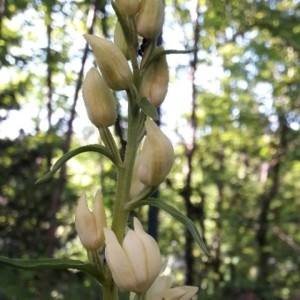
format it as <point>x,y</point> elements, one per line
<point>233,113</point>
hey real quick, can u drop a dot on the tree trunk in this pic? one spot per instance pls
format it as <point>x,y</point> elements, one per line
<point>266,199</point>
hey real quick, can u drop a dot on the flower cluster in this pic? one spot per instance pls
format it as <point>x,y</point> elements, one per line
<point>151,82</point>
<point>132,257</point>
<point>136,263</point>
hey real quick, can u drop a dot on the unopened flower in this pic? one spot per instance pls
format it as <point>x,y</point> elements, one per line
<point>177,293</point>
<point>135,264</point>
<point>128,7</point>
<point>120,40</point>
<point>136,185</point>
<point>161,290</point>
<point>98,100</point>
<point>157,156</point>
<point>155,82</point>
<point>89,224</point>
<point>111,62</point>
<point>150,19</point>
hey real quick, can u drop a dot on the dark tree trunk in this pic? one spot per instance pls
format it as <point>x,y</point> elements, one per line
<point>266,199</point>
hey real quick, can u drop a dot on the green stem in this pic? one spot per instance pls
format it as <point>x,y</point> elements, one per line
<point>132,48</point>
<point>120,213</point>
<point>147,192</point>
<point>138,297</point>
<point>110,144</point>
<point>110,292</point>
<point>125,170</point>
<point>167,52</point>
<point>128,27</point>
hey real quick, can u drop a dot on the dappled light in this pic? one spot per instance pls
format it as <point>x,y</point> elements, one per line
<point>232,113</point>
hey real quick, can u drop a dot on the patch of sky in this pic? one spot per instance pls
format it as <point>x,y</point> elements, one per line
<point>263,93</point>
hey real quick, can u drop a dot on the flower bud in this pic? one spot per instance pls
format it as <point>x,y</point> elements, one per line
<point>155,81</point>
<point>157,156</point>
<point>111,62</point>
<point>150,19</point>
<point>120,40</point>
<point>128,7</point>
<point>98,100</point>
<point>178,293</point>
<point>136,185</point>
<point>135,264</point>
<point>89,225</point>
<point>161,289</point>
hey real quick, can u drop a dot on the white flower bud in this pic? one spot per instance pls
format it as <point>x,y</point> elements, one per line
<point>120,40</point>
<point>89,225</point>
<point>128,7</point>
<point>135,264</point>
<point>161,289</point>
<point>98,100</point>
<point>150,19</point>
<point>111,62</point>
<point>157,156</point>
<point>155,81</point>
<point>136,185</point>
<point>177,293</point>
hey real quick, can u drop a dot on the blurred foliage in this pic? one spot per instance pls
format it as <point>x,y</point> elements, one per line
<point>237,166</point>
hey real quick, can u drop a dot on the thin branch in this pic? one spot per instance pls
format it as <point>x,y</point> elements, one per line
<point>285,238</point>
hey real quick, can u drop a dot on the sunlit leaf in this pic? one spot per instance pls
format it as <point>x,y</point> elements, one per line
<point>50,263</point>
<point>148,109</point>
<point>88,148</point>
<point>178,216</point>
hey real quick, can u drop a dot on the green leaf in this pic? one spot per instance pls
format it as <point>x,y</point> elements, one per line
<point>188,223</point>
<point>88,148</point>
<point>50,263</point>
<point>167,52</point>
<point>148,108</point>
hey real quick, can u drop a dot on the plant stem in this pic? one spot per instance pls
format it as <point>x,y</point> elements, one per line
<point>139,297</point>
<point>120,213</point>
<point>125,170</point>
<point>110,292</point>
